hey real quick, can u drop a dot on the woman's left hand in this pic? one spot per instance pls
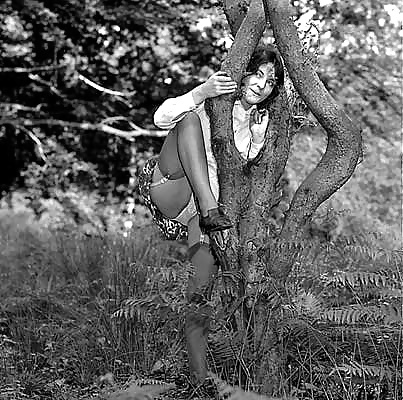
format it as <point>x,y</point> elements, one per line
<point>258,122</point>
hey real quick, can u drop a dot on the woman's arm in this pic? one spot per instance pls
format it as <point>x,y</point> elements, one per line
<point>258,126</point>
<point>172,110</point>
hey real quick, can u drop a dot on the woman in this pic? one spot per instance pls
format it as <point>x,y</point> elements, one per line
<point>180,186</point>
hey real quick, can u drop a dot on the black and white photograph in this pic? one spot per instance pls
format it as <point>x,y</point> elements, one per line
<point>201,200</point>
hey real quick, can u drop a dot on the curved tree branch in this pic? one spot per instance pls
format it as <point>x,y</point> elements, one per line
<point>246,39</point>
<point>235,11</point>
<point>344,138</point>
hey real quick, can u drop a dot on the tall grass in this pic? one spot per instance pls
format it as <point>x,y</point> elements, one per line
<point>59,290</point>
<point>80,312</point>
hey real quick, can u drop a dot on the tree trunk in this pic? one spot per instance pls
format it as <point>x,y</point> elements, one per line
<point>234,185</point>
<point>249,190</point>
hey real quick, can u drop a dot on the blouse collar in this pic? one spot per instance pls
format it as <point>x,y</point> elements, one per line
<point>239,108</point>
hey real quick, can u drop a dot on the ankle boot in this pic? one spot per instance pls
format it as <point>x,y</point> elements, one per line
<point>216,220</point>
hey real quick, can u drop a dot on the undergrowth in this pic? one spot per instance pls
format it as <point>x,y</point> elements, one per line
<point>100,316</point>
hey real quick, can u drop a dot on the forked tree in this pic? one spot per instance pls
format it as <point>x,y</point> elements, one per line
<point>250,189</point>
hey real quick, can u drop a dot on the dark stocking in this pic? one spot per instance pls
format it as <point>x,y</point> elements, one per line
<point>192,154</point>
<point>198,318</point>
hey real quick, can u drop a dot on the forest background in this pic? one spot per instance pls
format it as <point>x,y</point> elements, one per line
<point>80,81</point>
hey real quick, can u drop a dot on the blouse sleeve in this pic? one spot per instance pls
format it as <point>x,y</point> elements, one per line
<point>172,110</point>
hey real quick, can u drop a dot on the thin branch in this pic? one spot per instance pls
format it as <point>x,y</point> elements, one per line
<point>22,70</point>
<point>113,119</point>
<point>19,107</point>
<point>103,89</point>
<point>30,71</point>
<point>87,126</point>
<point>306,38</point>
<point>38,144</point>
<point>37,78</point>
<point>135,127</point>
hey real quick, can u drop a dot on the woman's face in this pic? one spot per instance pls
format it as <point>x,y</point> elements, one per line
<point>258,86</point>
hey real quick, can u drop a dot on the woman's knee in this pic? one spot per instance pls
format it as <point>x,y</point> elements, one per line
<point>191,123</point>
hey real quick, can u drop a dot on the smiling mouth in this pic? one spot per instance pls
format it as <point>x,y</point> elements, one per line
<point>256,94</point>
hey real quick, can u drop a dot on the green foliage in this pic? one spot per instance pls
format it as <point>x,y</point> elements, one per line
<point>56,309</point>
<point>147,51</point>
<point>337,322</point>
<point>153,50</point>
<point>80,314</point>
<point>340,321</point>
<point>370,201</point>
<point>358,47</point>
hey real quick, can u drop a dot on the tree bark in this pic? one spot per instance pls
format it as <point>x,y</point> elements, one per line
<point>234,188</point>
<point>344,145</point>
<point>235,11</point>
<point>250,189</point>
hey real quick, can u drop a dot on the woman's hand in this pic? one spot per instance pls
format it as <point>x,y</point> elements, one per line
<point>216,85</point>
<point>258,122</point>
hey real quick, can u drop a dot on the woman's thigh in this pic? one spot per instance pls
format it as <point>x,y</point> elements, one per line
<point>172,196</point>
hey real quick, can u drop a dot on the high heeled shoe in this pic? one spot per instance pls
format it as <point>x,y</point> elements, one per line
<point>216,220</point>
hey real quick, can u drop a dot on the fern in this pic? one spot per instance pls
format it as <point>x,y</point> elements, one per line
<point>358,278</point>
<point>368,251</point>
<point>347,303</point>
<point>356,313</point>
<point>307,303</point>
<point>138,307</point>
<point>360,370</point>
<point>367,283</point>
<point>226,348</point>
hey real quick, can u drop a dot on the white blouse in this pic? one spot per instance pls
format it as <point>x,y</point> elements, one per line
<point>175,109</point>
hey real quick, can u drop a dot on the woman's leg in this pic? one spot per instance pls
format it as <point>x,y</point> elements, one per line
<point>199,292</point>
<point>192,155</point>
<point>183,153</point>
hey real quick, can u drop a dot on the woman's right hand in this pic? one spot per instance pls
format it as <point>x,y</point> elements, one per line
<point>216,85</point>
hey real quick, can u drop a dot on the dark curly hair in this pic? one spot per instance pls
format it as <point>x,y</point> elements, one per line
<point>267,54</point>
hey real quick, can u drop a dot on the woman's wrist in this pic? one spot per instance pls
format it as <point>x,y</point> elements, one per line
<point>198,94</point>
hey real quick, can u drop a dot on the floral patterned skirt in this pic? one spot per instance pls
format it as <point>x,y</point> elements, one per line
<point>170,229</point>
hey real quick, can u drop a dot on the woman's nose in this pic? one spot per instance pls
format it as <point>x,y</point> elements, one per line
<point>261,83</point>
